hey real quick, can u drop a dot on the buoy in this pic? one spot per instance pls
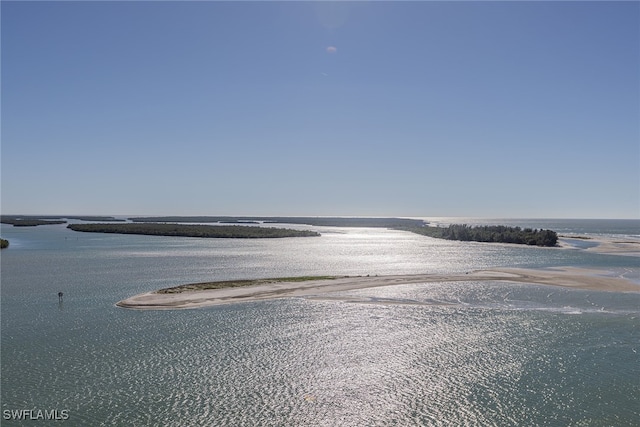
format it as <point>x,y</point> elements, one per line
<point>60,295</point>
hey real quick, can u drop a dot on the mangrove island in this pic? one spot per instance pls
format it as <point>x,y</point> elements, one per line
<point>192,230</point>
<point>29,222</point>
<point>490,233</point>
<point>35,220</point>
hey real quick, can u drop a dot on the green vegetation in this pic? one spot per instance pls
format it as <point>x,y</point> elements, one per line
<point>496,233</point>
<point>4,244</point>
<point>27,221</point>
<point>317,221</point>
<point>238,283</point>
<point>577,237</point>
<point>191,230</point>
<point>95,218</point>
<point>34,220</point>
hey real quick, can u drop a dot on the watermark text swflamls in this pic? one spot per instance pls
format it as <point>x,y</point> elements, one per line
<point>35,414</point>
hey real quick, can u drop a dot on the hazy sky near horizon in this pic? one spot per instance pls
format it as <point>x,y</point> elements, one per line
<point>497,109</point>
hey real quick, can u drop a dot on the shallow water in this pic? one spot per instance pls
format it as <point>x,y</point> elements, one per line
<point>468,353</point>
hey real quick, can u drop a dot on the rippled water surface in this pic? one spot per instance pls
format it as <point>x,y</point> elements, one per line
<point>467,353</point>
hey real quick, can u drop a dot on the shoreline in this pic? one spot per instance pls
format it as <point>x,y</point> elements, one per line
<point>573,277</point>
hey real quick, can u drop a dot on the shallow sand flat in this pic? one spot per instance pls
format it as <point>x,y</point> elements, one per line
<point>617,247</point>
<point>607,245</point>
<point>568,277</point>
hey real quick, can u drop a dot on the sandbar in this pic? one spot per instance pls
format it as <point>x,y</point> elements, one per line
<point>623,245</point>
<point>580,278</point>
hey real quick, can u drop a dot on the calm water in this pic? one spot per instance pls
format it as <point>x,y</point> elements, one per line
<point>443,354</point>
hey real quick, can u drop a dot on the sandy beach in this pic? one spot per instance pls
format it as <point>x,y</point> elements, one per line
<point>569,277</point>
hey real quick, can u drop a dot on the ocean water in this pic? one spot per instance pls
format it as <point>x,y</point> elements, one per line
<point>437,354</point>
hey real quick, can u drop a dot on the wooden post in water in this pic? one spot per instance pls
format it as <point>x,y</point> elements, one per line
<point>60,295</point>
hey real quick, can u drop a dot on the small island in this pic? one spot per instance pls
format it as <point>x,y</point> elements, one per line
<point>322,287</point>
<point>192,230</point>
<point>490,233</point>
<point>4,244</point>
<point>239,283</point>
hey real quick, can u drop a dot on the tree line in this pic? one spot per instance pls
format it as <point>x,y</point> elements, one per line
<point>491,233</point>
<point>192,230</point>
<point>34,220</point>
<point>28,222</point>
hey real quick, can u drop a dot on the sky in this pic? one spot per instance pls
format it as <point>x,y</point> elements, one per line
<point>422,108</point>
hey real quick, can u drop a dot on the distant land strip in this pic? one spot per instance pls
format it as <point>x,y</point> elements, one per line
<point>192,230</point>
<point>316,221</point>
<point>35,220</point>
<point>20,222</point>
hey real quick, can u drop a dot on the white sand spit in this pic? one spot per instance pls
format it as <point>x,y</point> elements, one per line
<point>568,276</point>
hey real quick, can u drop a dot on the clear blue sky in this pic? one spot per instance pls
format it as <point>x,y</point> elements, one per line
<point>508,109</point>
